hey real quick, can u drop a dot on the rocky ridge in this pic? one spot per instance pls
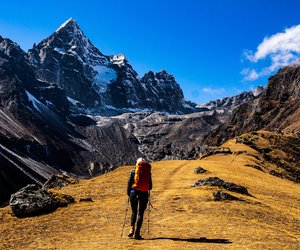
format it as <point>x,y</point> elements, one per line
<point>277,108</point>
<point>228,104</point>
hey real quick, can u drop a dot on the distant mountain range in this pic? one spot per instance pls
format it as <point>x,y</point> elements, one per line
<point>67,108</point>
<point>228,104</point>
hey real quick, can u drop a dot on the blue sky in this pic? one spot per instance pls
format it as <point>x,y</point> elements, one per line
<point>213,48</point>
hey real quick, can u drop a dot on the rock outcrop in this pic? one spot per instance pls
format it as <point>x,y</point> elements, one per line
<point>223,196</point>
<point>32,200</point>
<point>217,182</point>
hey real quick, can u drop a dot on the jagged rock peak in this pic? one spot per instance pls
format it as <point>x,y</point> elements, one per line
<point>10,48</point>
<point>70,39</point>
<point>258,90</point>
<point>73,39</point>
<point>149,75</point>
<point>227,104</point>
<point>162,75</point>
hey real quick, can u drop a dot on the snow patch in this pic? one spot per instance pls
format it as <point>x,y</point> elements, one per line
<point>185,105</point>
<point>118,59</point>
<point>35,102</point>
<point>73,101</point>
<point>42,55</point>
<point>65,23</point>
<point>60,50</point>
<point>126,110</point>
<point>104,76</point>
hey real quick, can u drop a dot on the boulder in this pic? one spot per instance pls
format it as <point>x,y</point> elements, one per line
<point>32,200</point>
<point>215,181</point>
<point>199,170</point>
<point>222,196</point>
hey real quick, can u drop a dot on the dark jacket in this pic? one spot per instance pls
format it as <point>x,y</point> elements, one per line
<point>131,180</point>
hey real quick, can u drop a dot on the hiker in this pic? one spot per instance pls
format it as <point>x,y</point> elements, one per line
<point>139,185</point>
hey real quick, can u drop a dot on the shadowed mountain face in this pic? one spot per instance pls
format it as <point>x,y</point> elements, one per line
<point>37,137</point>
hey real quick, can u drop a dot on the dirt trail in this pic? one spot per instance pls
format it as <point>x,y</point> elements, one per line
<point>184,217</point>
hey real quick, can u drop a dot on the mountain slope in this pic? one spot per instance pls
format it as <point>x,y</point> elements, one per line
<point>165,137</point>
<point>184,216</point>
<point>277,108</point>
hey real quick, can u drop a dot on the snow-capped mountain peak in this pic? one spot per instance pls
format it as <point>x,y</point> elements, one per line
<point>70,38</point>
<point>68,59</point>
<point>69,22</point>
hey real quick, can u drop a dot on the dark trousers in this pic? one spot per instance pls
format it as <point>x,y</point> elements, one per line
<point>138,201</point>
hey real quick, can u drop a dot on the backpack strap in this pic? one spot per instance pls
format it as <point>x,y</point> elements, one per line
<point>130,181</point>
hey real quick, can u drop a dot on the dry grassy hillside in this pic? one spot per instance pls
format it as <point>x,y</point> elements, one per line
<point>185,217</point>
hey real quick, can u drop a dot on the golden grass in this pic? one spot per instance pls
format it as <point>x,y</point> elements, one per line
<point>184,217</point>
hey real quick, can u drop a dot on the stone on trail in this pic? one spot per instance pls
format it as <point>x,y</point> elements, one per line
<point>199,170</point>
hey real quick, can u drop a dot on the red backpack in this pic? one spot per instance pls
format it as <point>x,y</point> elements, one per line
<point>142,177</point>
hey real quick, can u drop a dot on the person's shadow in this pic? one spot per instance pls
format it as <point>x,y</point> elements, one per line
<point>195,240</point>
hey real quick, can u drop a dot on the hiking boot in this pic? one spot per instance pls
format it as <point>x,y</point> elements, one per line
<point>131,232</point>
<point>138,237</point>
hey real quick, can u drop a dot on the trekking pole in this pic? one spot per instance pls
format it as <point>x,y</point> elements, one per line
<point>149,204</point>
<point>125,217</point>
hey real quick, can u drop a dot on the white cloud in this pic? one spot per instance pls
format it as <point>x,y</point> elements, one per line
<point>280,43</point>
<point>250,74</point>
<point>281,48</point>
<point>213,91</point>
